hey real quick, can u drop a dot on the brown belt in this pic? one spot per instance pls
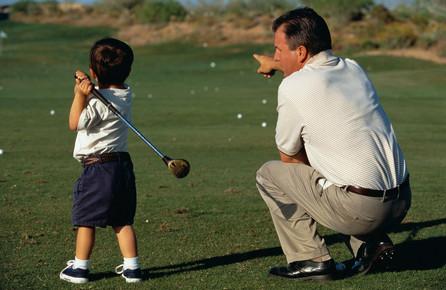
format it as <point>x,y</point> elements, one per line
<point>105,157</point>
<point>389,193</point>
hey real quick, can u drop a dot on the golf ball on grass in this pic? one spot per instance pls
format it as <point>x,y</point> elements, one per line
<point>52,112</point>
<point>264,124</point>
<point>239,116</point>
<point>1,151</point>
<point>212,64</point>
<point>264,101</point>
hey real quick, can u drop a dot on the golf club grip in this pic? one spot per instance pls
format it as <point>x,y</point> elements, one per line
<point>110,106</point>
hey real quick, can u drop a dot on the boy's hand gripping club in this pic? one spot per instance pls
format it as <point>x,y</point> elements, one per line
<point>178,167</point>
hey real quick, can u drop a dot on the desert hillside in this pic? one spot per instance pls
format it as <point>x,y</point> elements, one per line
<point>418,30</point>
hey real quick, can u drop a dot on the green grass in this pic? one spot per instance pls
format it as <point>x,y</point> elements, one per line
<point>210,230</point>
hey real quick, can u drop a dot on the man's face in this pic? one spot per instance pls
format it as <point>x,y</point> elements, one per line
<point>289,60</point>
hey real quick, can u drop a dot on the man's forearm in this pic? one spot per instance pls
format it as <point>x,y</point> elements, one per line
<point>300,157</point>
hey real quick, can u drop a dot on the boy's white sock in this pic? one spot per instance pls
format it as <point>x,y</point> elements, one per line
<point>131,263</point>
<point>81,264</point>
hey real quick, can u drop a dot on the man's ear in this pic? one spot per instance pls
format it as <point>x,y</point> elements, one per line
<point>302,54</point>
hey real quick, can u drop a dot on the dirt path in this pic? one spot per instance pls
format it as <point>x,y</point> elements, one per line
<point>413,52</point>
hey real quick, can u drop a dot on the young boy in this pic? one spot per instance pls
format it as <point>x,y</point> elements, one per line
<point>105,194</point>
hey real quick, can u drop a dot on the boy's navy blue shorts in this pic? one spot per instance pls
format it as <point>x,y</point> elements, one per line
<point>105,194</point>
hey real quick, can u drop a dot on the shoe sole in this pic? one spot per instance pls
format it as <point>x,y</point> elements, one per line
<point>131,280</point>
<point>326,277</point>
<point>73,279</point>
<point>383,256</point>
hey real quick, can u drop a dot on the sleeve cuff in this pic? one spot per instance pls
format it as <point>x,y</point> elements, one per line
<point>83,120</point>
<point>287,152</point>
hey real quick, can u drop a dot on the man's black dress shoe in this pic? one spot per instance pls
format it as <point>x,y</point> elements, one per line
<point>306,270</point>
<point>374,255</point>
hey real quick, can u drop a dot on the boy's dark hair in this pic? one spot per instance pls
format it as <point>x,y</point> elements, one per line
<point>303,26</point>
<point>111,60</point>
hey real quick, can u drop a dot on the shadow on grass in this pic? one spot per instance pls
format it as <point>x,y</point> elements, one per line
<point>102,275</point>
<point>420,254</point>
<point>410,254</point>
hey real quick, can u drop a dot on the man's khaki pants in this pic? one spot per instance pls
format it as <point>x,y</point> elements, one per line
<point>297,202</point>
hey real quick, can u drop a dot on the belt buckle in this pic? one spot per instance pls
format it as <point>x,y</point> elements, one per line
<point>92,159</point>
<point>384,195</point>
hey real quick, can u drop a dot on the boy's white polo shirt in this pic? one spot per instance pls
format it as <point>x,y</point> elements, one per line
<point>99,130</point>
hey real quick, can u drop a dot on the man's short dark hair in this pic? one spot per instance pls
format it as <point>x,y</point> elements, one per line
<point>303,26</point>
<point>111,60</point>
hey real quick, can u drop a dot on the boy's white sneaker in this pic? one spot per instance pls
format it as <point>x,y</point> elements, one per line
<point>74,275</point>
<point>130,276</point>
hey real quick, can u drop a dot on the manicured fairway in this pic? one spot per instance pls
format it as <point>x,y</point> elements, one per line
<point>210,230</point>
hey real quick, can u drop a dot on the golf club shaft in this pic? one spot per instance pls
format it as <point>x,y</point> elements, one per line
<point>109,105</point>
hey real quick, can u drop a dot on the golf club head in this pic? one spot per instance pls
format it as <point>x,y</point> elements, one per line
<point>179,167</point>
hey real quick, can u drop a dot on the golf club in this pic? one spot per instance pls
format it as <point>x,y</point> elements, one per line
<point>178,167</point>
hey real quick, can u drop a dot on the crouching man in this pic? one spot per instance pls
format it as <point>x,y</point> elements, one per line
<point>340,163</point>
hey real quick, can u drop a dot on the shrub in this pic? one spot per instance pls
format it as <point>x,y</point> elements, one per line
<point>381,14</point>
<point>158,11</point>
<point>433,35</point>
<point>369,44</point>
<point>50,6</point>
<point>341,10</point>
<point>268,7</point>
<point>434,8</point>
<point>28,7</point>
<point>427,40</point>
<point>206,8</point>
<point>119,5</point>
<point>397,35</point>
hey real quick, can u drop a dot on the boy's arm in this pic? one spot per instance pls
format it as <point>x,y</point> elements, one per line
<point>267,65</point>
<point>82,89</point>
